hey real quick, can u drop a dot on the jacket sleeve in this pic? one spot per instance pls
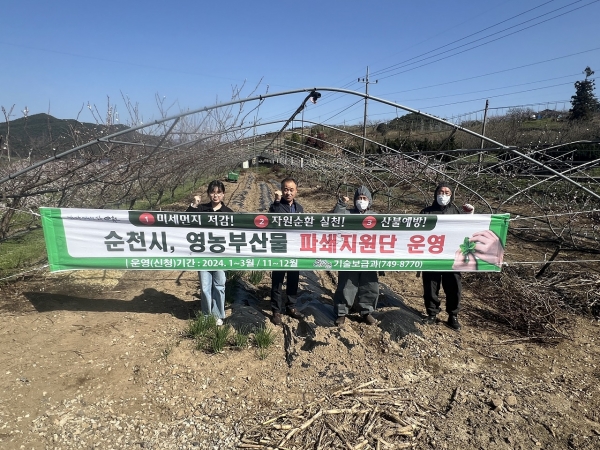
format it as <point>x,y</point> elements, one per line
<point>273,206</point>
<point>340,207</point>
<point>457,210</point>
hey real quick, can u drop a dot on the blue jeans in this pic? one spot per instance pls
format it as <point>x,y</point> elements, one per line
<point>212,295</point>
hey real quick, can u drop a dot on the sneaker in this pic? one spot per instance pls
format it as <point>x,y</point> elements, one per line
<point>340,321</point>
<point>453,323</point>
<point>219,322</point>
<point>293,312</point>
<point>430,320</point>
<point>276,319</point>
<point>369,319</point>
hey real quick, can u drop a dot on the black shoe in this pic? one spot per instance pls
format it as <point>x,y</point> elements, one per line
<point>276,319</point>
<point>369,319</point>
<point>430,320</point>
<point>340,321</point>
<point>293,312</point>
<point>453,323</point>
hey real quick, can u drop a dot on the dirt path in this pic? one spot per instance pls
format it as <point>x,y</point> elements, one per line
<point>96,359</point>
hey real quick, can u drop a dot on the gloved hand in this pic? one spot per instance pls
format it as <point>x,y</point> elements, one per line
<point>468,208</point>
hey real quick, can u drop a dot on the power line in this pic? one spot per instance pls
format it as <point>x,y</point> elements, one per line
<point>496,72</point>
<point>467,93</point>
<point>348,84</point>
<point>455,25</point>
<point>345,109</point>
<point>496,96</point>
<point>456,116</point>
<point>393,67</point>
<point>531,104</point>
<point>496,89</point>
<point>485,43</point>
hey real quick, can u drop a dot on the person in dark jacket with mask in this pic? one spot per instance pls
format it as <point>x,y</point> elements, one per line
<point>432,281</point>
<point>350,283</point>
<point>285,202</point>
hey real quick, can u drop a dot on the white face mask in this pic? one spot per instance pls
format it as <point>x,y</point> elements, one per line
<point>362,205</point>
<point>443,200</point>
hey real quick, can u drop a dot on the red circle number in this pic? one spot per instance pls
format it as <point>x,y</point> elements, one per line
<point>261,221</point>
<point>369,222</point>
<point>147,219</point>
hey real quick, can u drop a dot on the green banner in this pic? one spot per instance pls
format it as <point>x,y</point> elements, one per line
<point>159,240</point>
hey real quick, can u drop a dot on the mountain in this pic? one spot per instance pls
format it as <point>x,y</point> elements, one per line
<point>41,135</point>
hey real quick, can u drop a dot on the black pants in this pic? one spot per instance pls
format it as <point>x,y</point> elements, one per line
<point>450,281</point>
<point>277,276</point>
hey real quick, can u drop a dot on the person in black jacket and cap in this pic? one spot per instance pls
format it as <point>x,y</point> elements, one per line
<point>285,202</point>
<point>351,283</point>
<point>432,281</point>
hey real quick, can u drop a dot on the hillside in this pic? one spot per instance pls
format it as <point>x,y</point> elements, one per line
<point>40,135</point>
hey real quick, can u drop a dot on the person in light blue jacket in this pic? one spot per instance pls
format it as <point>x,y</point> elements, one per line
<point>212,282</point>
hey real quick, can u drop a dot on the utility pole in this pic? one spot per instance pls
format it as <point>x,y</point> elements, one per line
<point>254,144</point>
<point>397,123</point>
<point>487,104</point>
<point>367,82</point>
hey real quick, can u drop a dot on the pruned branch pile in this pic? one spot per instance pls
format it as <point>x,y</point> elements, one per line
<point>364,417</point>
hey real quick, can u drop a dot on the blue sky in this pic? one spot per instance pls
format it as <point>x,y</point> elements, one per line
<point>445,58</point>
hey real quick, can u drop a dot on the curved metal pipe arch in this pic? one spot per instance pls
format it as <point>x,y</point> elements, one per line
<point>413,160</point>
<point>261,98</point>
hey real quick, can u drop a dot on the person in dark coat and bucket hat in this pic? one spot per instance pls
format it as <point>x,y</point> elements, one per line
<point>351,283</point>
<point>443,197</point>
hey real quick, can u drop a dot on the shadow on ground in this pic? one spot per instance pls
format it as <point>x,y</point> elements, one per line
<point>149,301</point>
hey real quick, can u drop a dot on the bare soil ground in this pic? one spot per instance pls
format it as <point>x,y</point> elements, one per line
<point>98,359</point>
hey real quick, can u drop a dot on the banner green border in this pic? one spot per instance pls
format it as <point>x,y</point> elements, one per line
<point>499,226</point>
<point>60,260</point>
<point>434,265</point>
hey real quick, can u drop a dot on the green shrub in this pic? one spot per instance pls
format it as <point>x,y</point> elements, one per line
<point>264,339</point>
<point>21,252</point>
<point>255,276</point>
<point>201,325</point>
<point>240,338</point>
<point>219,337</point>
<point>233,275</point>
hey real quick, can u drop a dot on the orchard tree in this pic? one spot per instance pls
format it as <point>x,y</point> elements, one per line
<point>294,141</point>
<point>584,102</point>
